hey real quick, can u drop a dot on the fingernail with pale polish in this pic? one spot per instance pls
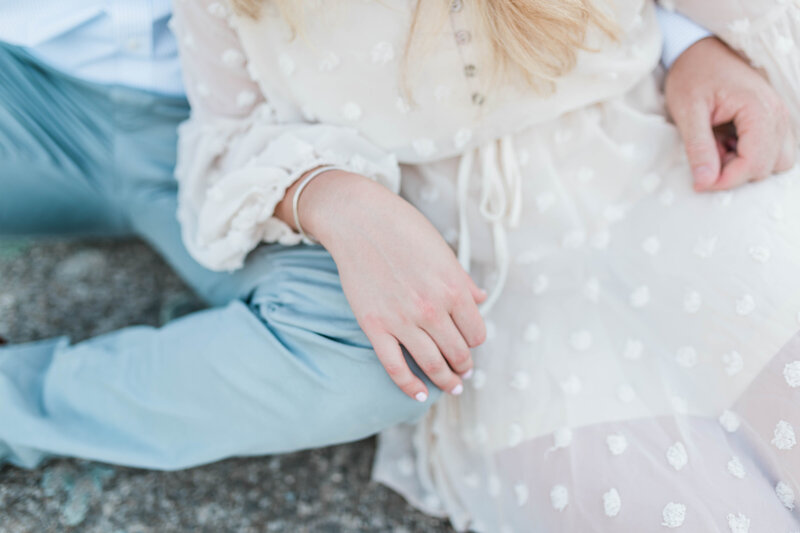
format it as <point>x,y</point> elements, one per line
<point>467,374</point>
<point>458,389</point>
<point>421,396</point>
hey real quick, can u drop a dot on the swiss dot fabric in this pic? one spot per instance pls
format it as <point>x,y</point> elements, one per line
<point>642,365</point>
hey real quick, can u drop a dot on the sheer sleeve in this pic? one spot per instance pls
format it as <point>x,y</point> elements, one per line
<point>235,159</point>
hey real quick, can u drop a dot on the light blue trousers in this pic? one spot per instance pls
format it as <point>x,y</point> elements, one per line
<point>277,365</point>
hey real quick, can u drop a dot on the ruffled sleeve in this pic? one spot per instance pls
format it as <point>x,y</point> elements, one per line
<point>235,159</point>
<point>766,32</point>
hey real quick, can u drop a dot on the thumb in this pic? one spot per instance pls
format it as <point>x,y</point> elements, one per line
<point>701,146</point>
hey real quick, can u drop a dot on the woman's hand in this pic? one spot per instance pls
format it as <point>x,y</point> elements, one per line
<point>403,282</point>
<point>710,86</point>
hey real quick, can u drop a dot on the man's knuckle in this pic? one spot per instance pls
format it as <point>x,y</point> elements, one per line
<point>752,177</point>
<point>761,168</point>
<point>722,95</point>
<point>696,96</point>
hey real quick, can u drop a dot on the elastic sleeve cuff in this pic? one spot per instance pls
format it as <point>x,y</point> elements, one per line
<point>226,217</point>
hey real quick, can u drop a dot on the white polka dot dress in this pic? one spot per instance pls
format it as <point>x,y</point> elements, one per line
<point>642,364</point>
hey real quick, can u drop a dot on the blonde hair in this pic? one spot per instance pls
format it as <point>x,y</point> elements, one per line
<point>538,38</point>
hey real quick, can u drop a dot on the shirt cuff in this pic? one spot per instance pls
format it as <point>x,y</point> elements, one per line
<point>679,34</point>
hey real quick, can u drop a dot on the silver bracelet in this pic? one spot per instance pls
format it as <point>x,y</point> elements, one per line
<point>313,174</point>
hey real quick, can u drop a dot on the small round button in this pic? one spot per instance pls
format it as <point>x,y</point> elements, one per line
<point>477,98</point>
<point>456,5</point>
<point>462,36</point>
<point>133,44</point>
<point>469,70</point>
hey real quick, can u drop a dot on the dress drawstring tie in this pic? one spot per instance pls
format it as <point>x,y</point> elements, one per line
<point>500,204</point>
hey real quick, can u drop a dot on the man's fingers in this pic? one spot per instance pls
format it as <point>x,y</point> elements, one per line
<point>756,151</point>
<point>737,172</point>
<point>695,126</point>
<point>721,150</point>
<point>391,357</point>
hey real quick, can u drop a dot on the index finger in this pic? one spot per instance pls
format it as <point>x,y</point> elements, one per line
<point>467,318</point>
<point>391,357</point>
<point>694,122</point>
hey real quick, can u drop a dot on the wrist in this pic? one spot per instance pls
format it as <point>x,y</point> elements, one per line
<point>706,45</point>
<point>324,201</point>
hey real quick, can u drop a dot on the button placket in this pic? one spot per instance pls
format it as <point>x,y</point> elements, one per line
<point>133,28</point>
<point>463,38</point>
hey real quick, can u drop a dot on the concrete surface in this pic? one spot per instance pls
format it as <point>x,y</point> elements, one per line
<point>90,287</point>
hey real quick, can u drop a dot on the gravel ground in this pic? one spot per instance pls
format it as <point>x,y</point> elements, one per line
<point>82,289</point>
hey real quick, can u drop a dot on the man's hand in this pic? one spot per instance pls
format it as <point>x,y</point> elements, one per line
<point>734,125</point>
